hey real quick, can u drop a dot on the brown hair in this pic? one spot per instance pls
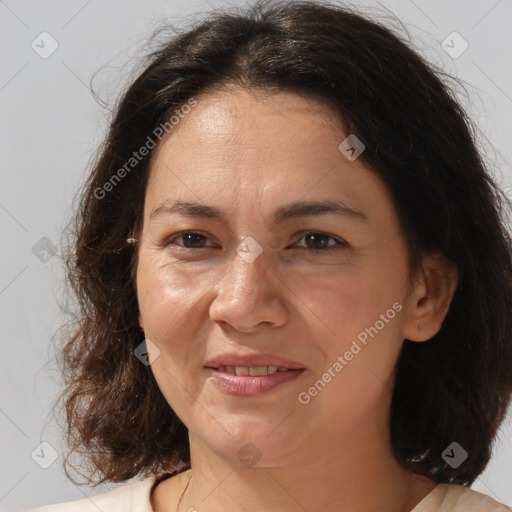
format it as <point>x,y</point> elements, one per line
<point>455,387</point>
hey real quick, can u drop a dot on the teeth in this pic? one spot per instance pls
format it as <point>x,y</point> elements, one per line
<point>251,370</point>
<point>258,370</point>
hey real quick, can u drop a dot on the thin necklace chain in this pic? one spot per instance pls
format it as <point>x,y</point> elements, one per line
<point>183,493</point>
<point>190,476</point>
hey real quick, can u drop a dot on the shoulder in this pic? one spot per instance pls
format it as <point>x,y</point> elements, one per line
<point>126,498</point>
<point>458,498</point>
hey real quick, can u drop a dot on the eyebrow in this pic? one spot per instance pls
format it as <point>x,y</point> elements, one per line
<point>289,211</point>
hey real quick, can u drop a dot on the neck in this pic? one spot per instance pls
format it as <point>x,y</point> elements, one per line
<point>358,476</point>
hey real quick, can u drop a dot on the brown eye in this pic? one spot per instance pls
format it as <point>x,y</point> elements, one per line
<point>321,242</point>
<point>189,240</point>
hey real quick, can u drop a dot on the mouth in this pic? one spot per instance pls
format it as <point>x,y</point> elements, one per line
<point>251,370</point>
<point>247,381</point>
<point>251,364</point>
<point>251,374</point>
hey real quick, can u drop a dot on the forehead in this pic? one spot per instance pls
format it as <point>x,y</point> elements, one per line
<point>238,146</point>
<point>235,123</point>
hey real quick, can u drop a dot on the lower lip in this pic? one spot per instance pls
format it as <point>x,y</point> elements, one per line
<point>252,385</point>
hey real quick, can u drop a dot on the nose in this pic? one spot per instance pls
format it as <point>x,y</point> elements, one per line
<point>249,296</point>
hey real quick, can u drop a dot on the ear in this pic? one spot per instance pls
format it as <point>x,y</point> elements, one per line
<point>140,322</point>
<point>430,297</point>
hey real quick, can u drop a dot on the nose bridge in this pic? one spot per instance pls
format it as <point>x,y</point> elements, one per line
<point>248,293</point>
<point>248,274</point>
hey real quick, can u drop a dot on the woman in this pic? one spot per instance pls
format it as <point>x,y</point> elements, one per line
<point>294,277</point>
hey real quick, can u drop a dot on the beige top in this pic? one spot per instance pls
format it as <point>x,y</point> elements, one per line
<point>135,497</point>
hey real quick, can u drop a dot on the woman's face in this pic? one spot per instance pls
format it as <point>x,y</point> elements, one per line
<point>339,313</point>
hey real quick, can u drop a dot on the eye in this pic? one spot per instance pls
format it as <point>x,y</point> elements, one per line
<point>320,242</point>
<point>190,240</point>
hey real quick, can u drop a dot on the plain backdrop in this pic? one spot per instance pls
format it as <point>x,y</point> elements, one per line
<point>50,126</point>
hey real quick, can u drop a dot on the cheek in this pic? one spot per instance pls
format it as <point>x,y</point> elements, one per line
<point>344,304</point>
<point>360,348</point>
<point>172,306</point>
<point>169,294</point>
<point>358,314</point>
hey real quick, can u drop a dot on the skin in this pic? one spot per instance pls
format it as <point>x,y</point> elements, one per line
<point>249,153</point>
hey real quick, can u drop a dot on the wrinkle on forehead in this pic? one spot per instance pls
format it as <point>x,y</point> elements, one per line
<point>228,123</point>
<point>225,111</point>
<point>240,149</point>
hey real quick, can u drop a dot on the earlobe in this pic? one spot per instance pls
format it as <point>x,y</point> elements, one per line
<point>431,298</point>
<point>140,322</point>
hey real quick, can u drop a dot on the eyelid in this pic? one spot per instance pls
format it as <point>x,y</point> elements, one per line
<point>170,239</point>
<point>339,242</point>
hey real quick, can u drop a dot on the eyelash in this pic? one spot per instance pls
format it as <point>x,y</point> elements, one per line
<point>339,243</point>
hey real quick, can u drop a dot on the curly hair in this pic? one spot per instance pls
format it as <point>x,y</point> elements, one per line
<point>457,386</point>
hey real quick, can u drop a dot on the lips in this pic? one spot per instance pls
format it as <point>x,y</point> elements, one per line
<point>252,385</point>
<point>251,374</point>
<point>251,370</point>
<point>233,360</point>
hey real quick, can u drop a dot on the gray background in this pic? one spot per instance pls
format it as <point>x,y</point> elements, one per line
<point>50,126</point>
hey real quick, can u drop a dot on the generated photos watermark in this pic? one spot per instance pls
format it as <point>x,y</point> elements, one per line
<point>144,150</point>
<point>304,397</point>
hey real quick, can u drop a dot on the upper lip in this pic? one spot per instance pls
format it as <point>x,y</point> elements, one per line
<point>251,360</point>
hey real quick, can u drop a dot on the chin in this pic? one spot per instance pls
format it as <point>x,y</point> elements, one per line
<point>253,445</point>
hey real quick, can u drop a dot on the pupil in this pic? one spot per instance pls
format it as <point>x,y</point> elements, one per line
<point>321,240</point>
<point>192,237</point>
<point>316,238</point>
